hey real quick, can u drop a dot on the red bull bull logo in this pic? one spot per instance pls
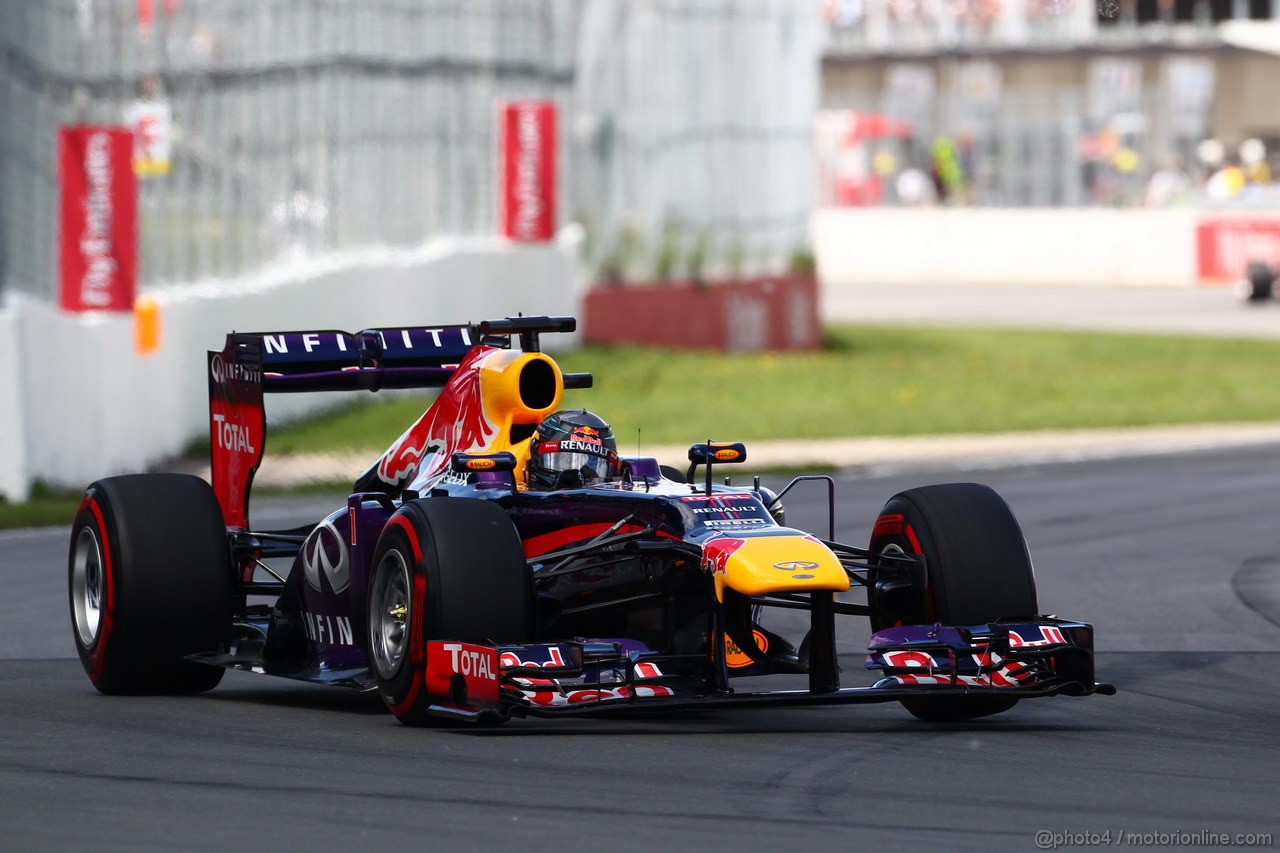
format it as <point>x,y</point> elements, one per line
<point>456,421</point>
<point>588,436</point>
<point>716,553</point>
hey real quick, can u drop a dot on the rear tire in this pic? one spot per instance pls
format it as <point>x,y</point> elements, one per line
<point>444,568</point>
<point>1258,284</point>
<point>978,571</point>
<point>149,582</point>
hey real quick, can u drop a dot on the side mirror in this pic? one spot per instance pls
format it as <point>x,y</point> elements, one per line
<point>476,463</point>
<point>714,453</point>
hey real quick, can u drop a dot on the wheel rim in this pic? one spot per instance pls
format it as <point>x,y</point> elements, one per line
<point>86,585</point>
<point>390,613</point>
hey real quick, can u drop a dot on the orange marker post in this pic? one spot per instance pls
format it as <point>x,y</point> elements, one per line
<point>146,325</point>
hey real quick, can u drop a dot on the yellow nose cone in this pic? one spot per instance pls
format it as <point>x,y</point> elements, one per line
<point>759,565</point>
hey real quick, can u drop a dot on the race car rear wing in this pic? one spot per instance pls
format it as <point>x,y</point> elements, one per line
<point>254,363</point>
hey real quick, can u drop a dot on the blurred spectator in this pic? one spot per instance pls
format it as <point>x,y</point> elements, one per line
<point>1168,185</point>
<point>299,220</point>
<point>1253,157</point>
<point>907,11</point>
<point>1049,8</point>
<point>947,171</point>
<point>1226,183</point>
<point>914,188</point>
<point>843,13</point>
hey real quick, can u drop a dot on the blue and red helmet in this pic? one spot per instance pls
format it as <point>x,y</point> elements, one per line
<point>571,449</point>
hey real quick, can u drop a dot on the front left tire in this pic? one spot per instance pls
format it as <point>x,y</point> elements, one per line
<point>444,568</point>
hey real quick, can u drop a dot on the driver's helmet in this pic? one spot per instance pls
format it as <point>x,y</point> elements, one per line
<point>569,450</point>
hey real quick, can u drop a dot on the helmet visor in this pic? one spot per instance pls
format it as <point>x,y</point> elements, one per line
<point>588,465</point>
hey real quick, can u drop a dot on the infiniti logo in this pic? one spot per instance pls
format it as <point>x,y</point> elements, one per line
<point>796,565</point>
<point>325,553</point>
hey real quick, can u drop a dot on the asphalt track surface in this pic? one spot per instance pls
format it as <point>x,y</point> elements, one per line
<point>1175,558</point>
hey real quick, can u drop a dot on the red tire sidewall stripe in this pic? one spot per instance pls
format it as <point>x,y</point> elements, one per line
<point>893,520</point>
<point>417,645</point>
<point>911,537</point>
<point>108,613</point>
<point>411,534</point>
<point>928,587</point>
<point>887,524</point>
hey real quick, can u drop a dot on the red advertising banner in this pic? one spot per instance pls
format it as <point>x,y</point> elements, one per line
<point>527,200</point>
<point>147,14</point>
<point>1226,245</point>
<point>98,228</point>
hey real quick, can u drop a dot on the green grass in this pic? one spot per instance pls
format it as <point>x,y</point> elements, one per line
<point>45,508</point>
<point>885,381</point>
<point>870,380</point>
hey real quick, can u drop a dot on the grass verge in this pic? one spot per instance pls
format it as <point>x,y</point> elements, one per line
<point>45,508</point>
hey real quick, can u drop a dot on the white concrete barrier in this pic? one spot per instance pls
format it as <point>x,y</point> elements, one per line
<point>13,461</point>
<point>89,406</point>
<point>1014,246</point>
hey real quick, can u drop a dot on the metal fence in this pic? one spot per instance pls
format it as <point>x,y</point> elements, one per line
<point>692,140</point>
<point>311,126</point>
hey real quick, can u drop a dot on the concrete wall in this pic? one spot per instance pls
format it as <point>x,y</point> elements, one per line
<point>88,406</point>
<point>13,467</point>
<point>1022,246</point>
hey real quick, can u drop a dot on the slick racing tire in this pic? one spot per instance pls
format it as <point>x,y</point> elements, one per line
<point>149,582</point>
<point>444,568</point>
<point>978,571</point>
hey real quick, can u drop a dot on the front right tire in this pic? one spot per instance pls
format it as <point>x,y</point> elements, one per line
<point>977,571</point>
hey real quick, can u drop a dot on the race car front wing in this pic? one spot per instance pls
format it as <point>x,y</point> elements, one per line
<point>1023,659</point>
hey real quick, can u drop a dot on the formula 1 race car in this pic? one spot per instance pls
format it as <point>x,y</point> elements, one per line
<point>460,586</point>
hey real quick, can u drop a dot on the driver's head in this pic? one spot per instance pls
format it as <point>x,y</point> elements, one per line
<point>569,450</point>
